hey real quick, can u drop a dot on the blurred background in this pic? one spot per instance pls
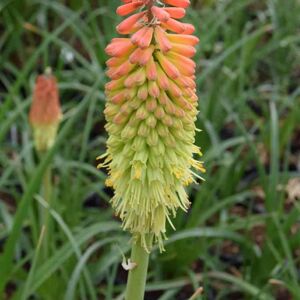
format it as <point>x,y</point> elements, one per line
<point>240,239</point>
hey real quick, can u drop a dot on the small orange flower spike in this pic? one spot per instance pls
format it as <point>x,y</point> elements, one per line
<point>150,113</point>
<point>45,113</point>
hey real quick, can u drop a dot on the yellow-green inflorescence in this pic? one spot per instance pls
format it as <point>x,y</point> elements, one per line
<point>151,112</point>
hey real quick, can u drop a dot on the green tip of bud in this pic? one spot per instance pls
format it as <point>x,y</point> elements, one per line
<point>44,136</point>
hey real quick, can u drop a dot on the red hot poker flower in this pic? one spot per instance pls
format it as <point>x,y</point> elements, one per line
<point>150,113</point>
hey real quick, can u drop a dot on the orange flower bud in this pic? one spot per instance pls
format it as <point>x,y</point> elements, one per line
<point>175,12</point>
<point>186,67</point>
<point>163,80</point>
<point>161,39</point>
<point>141,56</point>
<point>129,24</point>
<point>174,26</point>
<point>185,50</point>
<point>45,113</point>
<point>151,70</point>
<point>114,84</point>
<point>168,66</point>
<point>143,37</point>
<point>137,78</point>
<point>115,61</point>
<point>118,98</point>
<point>153,89</point>
<point>143,92</point>
<point>119,47</point>
<point>189,28</point>
<point>122,70</point>
<point>128,8</point>
<point>160,13</point>
<point>183,39</point>
<point>178,3</point>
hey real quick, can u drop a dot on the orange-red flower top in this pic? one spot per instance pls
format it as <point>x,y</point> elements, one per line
<point>153,15</point>
<point>45,108</point>
<point>151,37</point>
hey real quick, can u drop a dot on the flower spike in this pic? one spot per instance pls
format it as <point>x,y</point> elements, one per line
<point>45,112</point>
<point>150,114</point>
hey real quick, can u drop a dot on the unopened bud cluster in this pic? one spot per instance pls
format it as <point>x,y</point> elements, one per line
<point>45,112</point>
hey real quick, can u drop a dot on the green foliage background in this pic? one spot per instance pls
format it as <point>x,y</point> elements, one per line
<point>240,240</point>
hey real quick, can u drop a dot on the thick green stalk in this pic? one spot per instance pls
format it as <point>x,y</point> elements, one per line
<point>136,283</point>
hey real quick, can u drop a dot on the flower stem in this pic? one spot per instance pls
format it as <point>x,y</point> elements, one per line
<point>136,283</point>
<point>149,12</point>
<point>47,195</point>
